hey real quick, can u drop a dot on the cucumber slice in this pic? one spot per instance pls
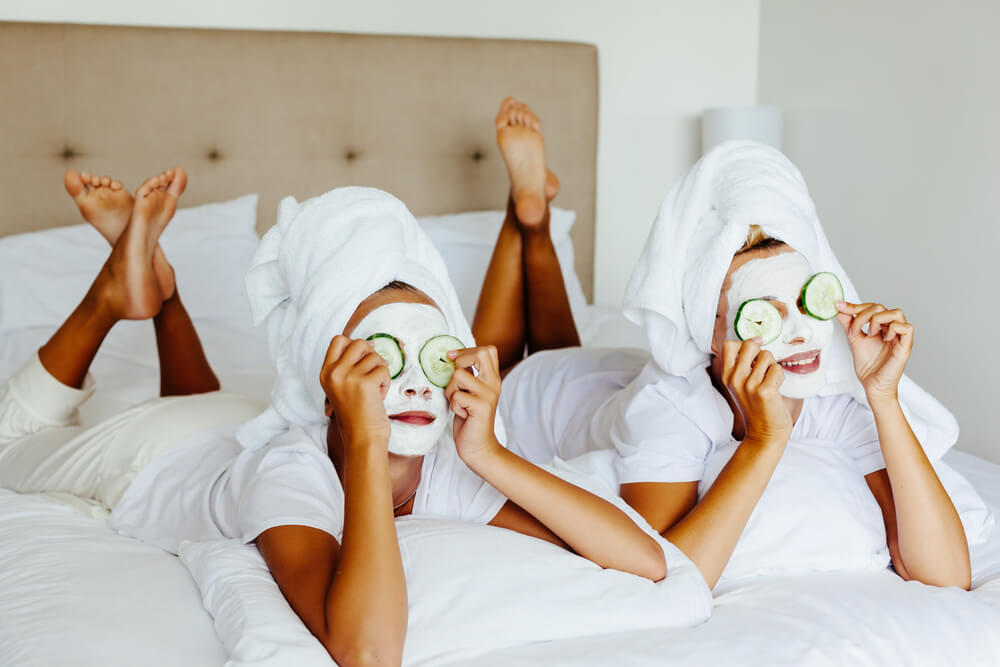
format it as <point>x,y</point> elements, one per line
<point>820,295</point>
<point>387,347</point>
<point>758,317</point>
<point>434,359</point>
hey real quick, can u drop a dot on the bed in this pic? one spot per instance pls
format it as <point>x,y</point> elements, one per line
<point>279,113</point>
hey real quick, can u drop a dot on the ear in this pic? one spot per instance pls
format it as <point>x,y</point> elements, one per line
<point>328,407</point>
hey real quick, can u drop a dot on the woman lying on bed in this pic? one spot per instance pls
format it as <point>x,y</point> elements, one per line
<point>362,325</point>
<point>700,430</point>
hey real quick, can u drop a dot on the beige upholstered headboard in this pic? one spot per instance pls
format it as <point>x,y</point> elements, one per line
<point>285,113</point>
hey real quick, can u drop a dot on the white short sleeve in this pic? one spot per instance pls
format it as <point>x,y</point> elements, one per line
<point>293,485</point>
<point>655,441</point>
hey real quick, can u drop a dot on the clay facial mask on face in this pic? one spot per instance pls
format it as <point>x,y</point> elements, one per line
<point>418,410</point>
<point>802,345</point>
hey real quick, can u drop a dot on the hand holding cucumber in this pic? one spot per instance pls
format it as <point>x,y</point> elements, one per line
<point>881,352</point>
<point>473,393</point>
<point>355,379</point>
<point>753,376</point>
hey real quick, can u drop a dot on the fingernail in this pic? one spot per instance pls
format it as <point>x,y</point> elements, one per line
<point>452,354</point>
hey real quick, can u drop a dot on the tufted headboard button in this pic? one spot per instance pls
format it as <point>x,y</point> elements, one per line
<point>67,153</point>
<point>477,155</point>
<point>214,155</point>
<point>351,155</point>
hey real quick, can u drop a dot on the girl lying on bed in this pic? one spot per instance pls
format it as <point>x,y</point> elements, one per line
<point>809,426</point>
<point>367,337</point>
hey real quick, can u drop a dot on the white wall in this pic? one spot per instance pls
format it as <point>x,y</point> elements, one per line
<point>891,112</point>
<point>661,62</point>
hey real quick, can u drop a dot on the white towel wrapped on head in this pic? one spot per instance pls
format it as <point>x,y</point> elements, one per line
<point>312,269</point>
<point>674,291</point>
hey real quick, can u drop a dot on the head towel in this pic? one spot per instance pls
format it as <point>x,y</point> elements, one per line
<point>310,272</point>
<point>674,291</point>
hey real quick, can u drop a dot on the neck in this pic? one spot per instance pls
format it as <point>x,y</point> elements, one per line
<point>404,471</point>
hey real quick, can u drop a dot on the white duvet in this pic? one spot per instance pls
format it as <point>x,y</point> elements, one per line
<point>74,592</point>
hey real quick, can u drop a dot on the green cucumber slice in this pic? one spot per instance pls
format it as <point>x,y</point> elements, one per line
<point>434,359</point>
<point>757,317</point>
<point>820,295</point>
<point>387,347</point>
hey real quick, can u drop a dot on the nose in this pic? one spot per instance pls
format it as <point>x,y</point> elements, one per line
<point>799,329</point>
<point>411,392</point>
<point>414,384</point>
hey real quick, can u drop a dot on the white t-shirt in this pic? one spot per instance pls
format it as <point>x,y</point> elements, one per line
<point>567,402</point>
<point>209,487</point>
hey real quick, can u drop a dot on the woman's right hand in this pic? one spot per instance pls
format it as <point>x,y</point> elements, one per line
<point>753,377</point>
<point>356,380</point>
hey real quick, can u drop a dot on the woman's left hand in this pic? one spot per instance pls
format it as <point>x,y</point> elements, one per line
<point>881,353</point>
<point>473,393</point>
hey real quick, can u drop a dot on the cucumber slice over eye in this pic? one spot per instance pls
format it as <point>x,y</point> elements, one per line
<point>434,359</point>
<point>758,317</point>
<point>387,347</point>
<point>820,295</point>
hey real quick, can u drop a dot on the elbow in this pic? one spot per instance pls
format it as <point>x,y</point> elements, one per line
<point>354,653</point>
<point>654,564</point>
<point>959,576</point>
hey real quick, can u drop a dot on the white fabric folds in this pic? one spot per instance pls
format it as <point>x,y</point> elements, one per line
<point>674,291</point>
<point>312,269</point>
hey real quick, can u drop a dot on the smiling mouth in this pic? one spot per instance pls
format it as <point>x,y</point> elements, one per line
<point>802,364</point>
<point>415,418</point>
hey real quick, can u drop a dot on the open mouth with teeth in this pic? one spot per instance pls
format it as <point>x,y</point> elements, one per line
<point>803,363</point>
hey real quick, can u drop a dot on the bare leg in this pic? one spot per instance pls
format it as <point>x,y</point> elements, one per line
<point>523,300</point>
<point>184,369</point>
<point>126,287</point>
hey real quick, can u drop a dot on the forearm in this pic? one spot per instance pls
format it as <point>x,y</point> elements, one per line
<point>709,532</point>
<point>931,539</point>
<point>589,525</point>
<point>366,603</point>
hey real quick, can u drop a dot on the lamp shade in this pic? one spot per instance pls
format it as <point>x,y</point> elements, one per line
<point>760,123</point>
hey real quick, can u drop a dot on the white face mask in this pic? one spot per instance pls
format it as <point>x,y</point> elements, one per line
<point>412,399</point>
<point>804,340</point>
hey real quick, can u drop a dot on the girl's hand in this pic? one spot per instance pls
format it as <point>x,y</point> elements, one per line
<point>881,353</point>
<point>356,380</point>
<point>753,376</point>
<point>473,393</point>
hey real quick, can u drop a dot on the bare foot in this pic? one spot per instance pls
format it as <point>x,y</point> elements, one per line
<point>106,204</point>
<point>523,148</point>
<point>128,285</point>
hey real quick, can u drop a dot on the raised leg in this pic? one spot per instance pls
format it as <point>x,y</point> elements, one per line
<point>523,302</point>
<point>126,287</point>
<point>104,203</point>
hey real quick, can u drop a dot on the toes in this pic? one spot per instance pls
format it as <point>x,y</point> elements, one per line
<point>73,182</point>
<point>104,181</point>
<point>116,185</point>
<point>178,183</point>
<point>507,102</point>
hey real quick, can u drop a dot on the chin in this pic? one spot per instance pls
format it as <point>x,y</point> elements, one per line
<point>802,386</point>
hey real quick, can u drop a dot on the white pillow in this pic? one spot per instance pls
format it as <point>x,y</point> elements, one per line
<point>471,588</point>
<point>466,242</point>
<point>252,618</point>
<point>44,274</point>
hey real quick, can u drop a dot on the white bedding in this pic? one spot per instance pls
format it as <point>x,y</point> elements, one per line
<point>74,592</point>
